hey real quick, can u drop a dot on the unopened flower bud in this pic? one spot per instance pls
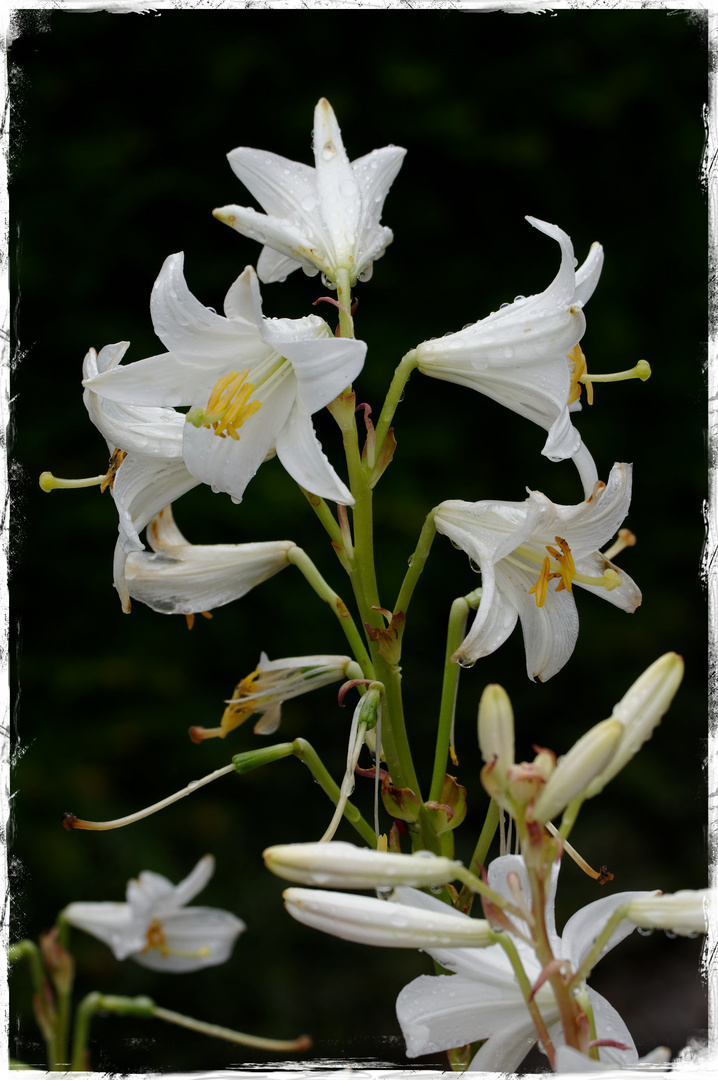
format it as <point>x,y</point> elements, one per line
<point>640,711</point>
<point>496,730</point>
<point>574,772</point>
<point>340,865</point>
<point>684,912</point>
<point>370,921</point>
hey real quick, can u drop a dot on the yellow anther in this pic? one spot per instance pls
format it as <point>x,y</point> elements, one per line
<point>228,406</point>
<point>118,456</point>
<point>190,618</point>
<point>579,375</point>
<point>541,586</point>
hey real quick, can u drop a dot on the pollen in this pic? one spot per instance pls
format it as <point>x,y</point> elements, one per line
<point>541,586</point>
<point>228,407</point>
<point>579,375</point>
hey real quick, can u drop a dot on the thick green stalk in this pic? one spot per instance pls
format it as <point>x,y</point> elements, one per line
<point>488,831</point>
<point>325,515</point>
<point>301,560</point>
<point>457,627</point>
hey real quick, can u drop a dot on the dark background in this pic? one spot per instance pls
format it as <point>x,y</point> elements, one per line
<point>120,124</point>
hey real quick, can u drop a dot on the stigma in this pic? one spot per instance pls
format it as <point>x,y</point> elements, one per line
<point>228,407</point>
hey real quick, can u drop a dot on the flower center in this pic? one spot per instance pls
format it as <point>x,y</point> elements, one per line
<point>157,940</point>
<point>228,406</point>
<point>559,564</point>
<point>234,715</point>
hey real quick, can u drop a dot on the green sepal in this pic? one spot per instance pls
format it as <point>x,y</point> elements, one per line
<point>400,803</point>
<point>125,1006</point>
<point>449,810</point>
<point>254,759</point>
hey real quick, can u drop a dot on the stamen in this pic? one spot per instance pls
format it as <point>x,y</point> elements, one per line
<point>625,539</point>
<point>228,406</point>
<point>578,376</point>
<point>157,940</point>
<point>71,821</point>
<point>567,571</point>
<point>191,615</point>
<point>541,586</point>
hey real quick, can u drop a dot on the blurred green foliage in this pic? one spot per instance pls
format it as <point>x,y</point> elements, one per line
<point>120,124</point>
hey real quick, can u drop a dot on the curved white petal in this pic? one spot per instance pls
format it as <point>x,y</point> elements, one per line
<point>243,299</point>
<point>112,923</point>
<point>505,1050</point>
<point>194,938</point>
<point>609,1025</point>
<point>375,173</point>
<point>594,522</point>
<point>585,925</point>
<point>562,289</point>
<point>283,188</point>
<point>284,237</point>
<point>550,632</point>
<point>195,881</point>
<point>301,454</point>
<point>273,266</point>
<point>324,367</point>
<point>588,274</point>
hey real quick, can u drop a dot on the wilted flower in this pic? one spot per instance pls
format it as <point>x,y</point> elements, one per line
<point>323,218</point>
<point>268,686</point>
<point>520,548</point>
<point>154,927</point>
<point>526,355</point>
<point>253,384</point>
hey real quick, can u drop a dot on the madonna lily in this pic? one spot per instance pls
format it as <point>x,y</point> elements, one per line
<point>482,999</point>
<point>272,683</point>
<point>323,218</point>
<point>520,548</point>
<point>523,355</point>
<point>147,468</point>
<point>183,578</point>
<point>253,384</point>
<point>156,929</point>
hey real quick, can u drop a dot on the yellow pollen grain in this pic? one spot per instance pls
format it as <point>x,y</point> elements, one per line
<point>578,376</point>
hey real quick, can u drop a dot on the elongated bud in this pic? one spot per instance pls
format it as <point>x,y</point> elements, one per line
<point>574,772</point>
<point>640,711</point>
<point>340,865</point>
<point>496,730</point>
<point>370,921</point>
<point>685,912</point>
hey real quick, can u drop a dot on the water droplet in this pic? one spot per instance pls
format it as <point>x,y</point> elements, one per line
<point>308,202</point>
<point>328,150</point>
<point>519,299</point>
<point>502,306</point>
<point>383,892</point>
<point>671,934</point>
<point>644,931</point>
<point>508,352</point>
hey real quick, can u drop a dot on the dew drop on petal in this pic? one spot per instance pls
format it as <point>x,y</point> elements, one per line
<point>644,931</point>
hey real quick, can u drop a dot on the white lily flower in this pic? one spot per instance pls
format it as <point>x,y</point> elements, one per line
<point>156,929</point>
<point>520,547</point>
<point>272,683</point>
<point>253,384</point>
<point>149,470</point>
<point>482,999</point>
<point>324,218</point>
<point>524,354</point>
<point>569,1060</point>
<point>179,578</point>
<point>370,921</point>
<point>337,864</point>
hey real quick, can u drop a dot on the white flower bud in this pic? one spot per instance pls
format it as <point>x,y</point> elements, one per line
<point>574,772</point>
<point>684,912</point>
<point>640,711</point>
<point>370,921</point>
<point>343,866</point>
<point>496,730</point>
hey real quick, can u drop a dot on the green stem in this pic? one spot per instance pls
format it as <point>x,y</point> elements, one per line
<point>344,296</point>
<point>488,831</point>
<point>325,515</point>
<point>569,817</point>
<point>308,755</point>
<point>217,1032</point>
<point>567,1006</point>
<point>457,627</point>
<point>525,986</point>
<point>28,950</point>
<point>301,560</point>
<point>393,397</point>
<point>416,564</point>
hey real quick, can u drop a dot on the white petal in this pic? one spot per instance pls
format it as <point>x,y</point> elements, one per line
<point>109,922</point>
<point>244,300</point>
<point>437,1012</point>
<point>588,274</point>
<point>375,173</point>
<point>301,454</point>
<point>286,238</point>
<point>609,1025</point>
<point>505,1050</point>
<point>339,194</point>
<point>273,266</point>
<point>283,188</point>
<point>561,290</point>
<point>550,632</point>
<point>324,367</point>
<point>208,933</point>
<point>195,881</point>
<point>202,577</point>
<point>585,925</point>
<point>592,523</point>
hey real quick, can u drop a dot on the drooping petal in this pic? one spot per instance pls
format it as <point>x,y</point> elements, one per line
<point>300,452</point>
<point>588,274</point>
<point>283,188</point>
<point>610,1025</point>
<point>585,925</point>
<point>111,923</point>
<point>324,366</point>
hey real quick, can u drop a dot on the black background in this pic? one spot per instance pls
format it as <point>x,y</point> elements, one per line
<point>120,124</point>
